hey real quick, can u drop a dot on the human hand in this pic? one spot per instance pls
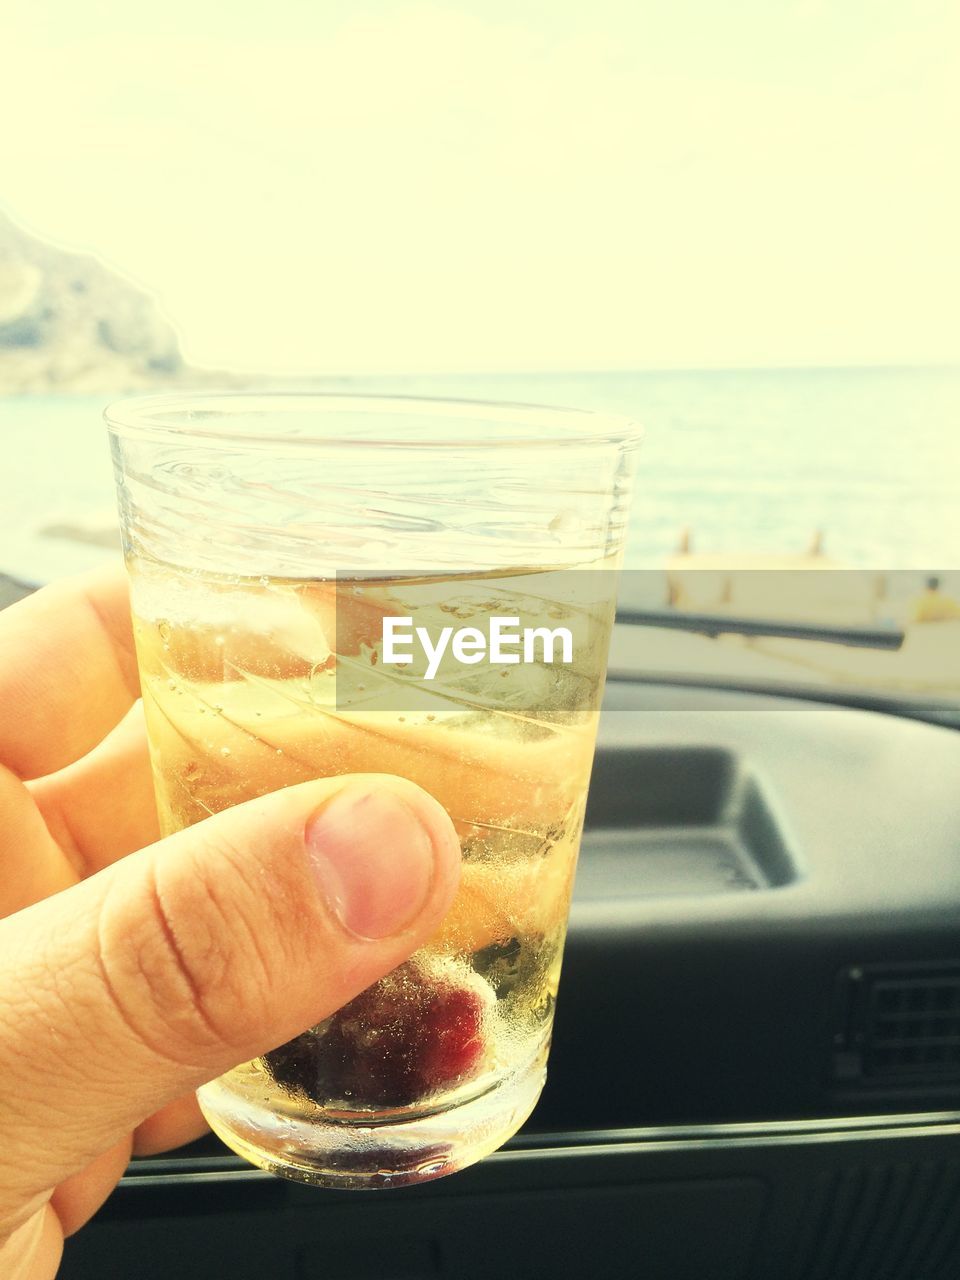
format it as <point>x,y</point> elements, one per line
<point>134,969</point>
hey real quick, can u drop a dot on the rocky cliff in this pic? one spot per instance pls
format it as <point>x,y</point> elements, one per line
<point>69,323</point>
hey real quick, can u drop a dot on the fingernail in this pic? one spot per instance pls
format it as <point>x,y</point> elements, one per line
<point>373,859</point>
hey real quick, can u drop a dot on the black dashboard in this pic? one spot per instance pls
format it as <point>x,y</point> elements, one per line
<point>756,1062</point>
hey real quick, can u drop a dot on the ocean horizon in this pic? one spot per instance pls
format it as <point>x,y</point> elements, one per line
<point>746,460</point>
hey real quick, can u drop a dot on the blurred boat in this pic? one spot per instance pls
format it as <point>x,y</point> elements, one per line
<point>808,586</point>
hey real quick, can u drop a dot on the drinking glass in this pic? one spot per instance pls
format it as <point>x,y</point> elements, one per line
<point>294,562</point>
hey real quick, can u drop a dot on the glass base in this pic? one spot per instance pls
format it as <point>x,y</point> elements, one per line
<point>392,1152</point>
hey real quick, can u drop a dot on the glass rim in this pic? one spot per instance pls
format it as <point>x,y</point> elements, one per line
<point>154,417</point>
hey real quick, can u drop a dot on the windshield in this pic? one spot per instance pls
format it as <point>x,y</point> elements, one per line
<point>738,229</point>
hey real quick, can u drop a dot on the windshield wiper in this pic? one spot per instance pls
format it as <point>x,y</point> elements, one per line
<point>718,624</point>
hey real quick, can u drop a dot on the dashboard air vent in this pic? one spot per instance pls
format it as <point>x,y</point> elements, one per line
<point>898,1025</point>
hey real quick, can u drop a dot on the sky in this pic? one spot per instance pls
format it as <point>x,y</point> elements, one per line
<point>364,186</point>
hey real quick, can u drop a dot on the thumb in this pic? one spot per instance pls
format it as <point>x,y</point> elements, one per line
<point>202,951</point>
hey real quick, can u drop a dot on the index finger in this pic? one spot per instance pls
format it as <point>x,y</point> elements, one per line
<point>68,671</point>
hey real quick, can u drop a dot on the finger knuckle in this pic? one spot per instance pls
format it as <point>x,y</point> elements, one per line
<point>187,968</point>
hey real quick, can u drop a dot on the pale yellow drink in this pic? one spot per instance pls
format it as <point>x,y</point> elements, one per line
<point>254,684</point>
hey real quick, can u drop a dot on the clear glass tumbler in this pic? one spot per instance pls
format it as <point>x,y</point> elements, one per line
<point>295,561</point>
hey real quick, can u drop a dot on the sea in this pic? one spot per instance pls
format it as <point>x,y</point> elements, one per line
<point>745,460</point>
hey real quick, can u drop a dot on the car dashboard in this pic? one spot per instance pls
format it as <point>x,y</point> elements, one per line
<point>756,1062</point>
